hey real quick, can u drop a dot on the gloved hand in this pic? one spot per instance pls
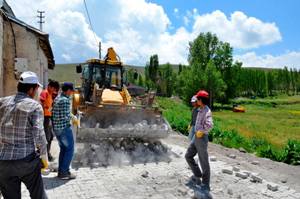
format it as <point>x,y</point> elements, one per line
<point>45,165</point>
<point>75,121</point>
<point>199,134</point>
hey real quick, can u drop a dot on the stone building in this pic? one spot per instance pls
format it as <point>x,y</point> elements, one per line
<point>22,48</point>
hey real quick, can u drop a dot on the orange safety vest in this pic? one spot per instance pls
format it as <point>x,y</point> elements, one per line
<point>47,101</point>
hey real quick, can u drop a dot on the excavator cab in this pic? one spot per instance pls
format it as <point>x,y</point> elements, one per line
<point>104,75</point>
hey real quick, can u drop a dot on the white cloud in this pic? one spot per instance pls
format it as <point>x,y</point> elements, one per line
<point>66,57</point>
<point>239,30</point>
<point>137,29</point>
<point>289,59</point>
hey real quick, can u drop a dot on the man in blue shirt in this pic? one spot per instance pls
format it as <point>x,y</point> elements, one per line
<point>61,118</point>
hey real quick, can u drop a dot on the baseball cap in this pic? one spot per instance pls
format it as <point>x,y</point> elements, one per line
<point>67,86</point>
<point>202,93</point>
<point>194,99</point>
<point>29,77</point>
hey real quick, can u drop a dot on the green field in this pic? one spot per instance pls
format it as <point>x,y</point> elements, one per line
<point>276,125</point>
<point>269,128</point>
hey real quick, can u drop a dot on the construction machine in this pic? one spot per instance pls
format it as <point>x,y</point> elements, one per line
<point>107,110</point>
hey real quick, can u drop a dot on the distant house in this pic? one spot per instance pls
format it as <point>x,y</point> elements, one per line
<point>22,48</point>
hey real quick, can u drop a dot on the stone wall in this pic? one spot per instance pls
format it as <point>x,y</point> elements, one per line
<point>27,46</point>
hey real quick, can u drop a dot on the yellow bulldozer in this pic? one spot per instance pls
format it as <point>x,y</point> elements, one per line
<point>106,108</point>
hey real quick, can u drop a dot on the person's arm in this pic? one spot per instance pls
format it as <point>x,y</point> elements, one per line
<point>66,105</point>
<point>37,121</point>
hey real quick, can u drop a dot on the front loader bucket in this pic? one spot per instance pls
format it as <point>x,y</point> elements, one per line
<point>121,122</point>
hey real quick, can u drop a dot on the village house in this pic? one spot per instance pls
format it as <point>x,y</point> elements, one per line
<point>22,48</point>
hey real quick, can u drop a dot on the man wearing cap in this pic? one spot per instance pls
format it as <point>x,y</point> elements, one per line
<point>61,117</point>
<point>46,98</point>
<point>21,135</point>
<point>194,117</point>
<point>204,124</point>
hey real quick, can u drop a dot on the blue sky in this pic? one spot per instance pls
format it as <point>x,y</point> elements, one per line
<point>285,14</point>
<point>264,33</point>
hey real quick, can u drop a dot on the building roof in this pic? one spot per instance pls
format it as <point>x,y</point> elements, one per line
<point>42,36</point>
<point>4,6</point>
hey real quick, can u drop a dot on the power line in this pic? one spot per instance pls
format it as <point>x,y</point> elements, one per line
<point>41,17</point>
<point>89,18</point>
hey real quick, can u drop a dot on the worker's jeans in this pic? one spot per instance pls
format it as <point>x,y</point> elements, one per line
<point>199,146</point>
<point>13,172</point>
<point>66,144</point>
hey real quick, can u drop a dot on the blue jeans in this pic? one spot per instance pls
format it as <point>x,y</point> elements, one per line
<point>66,144</point>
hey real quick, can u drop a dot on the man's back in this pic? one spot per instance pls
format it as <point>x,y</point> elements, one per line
<point>21,123</point>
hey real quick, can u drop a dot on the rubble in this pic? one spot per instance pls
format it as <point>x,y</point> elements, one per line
<point>120,152</point>
<point>145,174</point>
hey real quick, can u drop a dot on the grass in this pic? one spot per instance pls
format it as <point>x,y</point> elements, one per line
<point>276,125</point>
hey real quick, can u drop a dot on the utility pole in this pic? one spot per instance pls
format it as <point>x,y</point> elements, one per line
<point>41,17</point>
<point>99,49</point>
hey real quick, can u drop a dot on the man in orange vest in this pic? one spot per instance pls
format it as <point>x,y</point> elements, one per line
<point>47,101</point>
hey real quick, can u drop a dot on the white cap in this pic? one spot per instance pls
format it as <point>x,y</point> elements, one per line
<point>194,99</point>
<point>29,77</point>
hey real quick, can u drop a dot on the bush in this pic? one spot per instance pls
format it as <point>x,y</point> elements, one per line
<point>292,153</point>
<point>268,151</point>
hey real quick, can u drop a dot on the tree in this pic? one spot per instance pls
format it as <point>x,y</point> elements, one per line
<point>151,72</point>
<point>203,49</point>
<point>215,84</point>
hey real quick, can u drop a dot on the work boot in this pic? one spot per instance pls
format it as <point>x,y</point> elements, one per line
<point>67,176</point>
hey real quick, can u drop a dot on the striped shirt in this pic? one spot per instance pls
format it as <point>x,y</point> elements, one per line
<point>21,127</point>
<point>61,112</point>
<point>204,120</point>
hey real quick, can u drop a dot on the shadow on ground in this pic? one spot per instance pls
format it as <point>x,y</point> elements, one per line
<point>53,182</point>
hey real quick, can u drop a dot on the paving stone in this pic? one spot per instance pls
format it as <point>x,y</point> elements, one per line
<point>227,171</point>
<point>255,178</point>
<point>255,162</point>
<point>232,156</point>
<point>272,186</point>
<point>235,168</point>
<point>213,158</point>
<point>241,175</point>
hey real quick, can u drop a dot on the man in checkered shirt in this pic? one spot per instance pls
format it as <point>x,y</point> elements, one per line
<point>21,135</point>
<point>61,119</point>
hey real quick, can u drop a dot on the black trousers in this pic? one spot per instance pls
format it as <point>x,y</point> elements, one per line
<point>48,132</point>
<point>13,172</point>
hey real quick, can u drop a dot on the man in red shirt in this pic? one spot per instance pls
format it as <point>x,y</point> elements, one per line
<point>47,101</point>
